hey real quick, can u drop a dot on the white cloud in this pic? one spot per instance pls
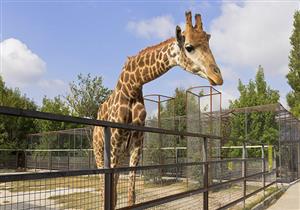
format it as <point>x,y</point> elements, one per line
<point>253,33</point>
<point>22,68</point>
<point>161,27</point>
<point>19,65</point>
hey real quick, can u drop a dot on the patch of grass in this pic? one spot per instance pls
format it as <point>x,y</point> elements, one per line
<point>269,191</point>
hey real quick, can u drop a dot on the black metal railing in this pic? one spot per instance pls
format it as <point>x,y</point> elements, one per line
<point>205,187</point>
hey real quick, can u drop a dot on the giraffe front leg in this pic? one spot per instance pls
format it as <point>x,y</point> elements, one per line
<point>114,164</point>
<point>135,152</point>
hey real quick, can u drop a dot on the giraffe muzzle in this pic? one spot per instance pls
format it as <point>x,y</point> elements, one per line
<point>214,75</point>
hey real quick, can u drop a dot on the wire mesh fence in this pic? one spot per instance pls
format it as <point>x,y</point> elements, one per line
<point>153,181</point>
<point>276,125</point>
<point>83,189</point>
<point>48,159</point>
<point>199,179</point>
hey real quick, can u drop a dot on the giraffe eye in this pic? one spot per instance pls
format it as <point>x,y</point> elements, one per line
<point>189,48</point>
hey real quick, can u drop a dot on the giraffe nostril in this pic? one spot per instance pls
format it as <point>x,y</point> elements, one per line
<point>217,70</point>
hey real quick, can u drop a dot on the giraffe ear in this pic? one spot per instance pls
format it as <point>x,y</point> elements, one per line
<point>179,37</point>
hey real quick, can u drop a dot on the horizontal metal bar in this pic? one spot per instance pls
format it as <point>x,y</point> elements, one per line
<point>233,160</point>
<point>45,150</point>
<point>242,198</point>
<point>209,94</point>
<point>147,99</point>
<point>65,118</point>
<point>77,150</point>
<point>205,86</point>
<point>157,95</point>
<point>57,174</point>
<point>241,147</point>
<point>193,93</point>
<point>50,175</point>
<point>167,148</point>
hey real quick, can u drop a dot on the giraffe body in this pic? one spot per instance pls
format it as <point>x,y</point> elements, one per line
<point>126,104</point>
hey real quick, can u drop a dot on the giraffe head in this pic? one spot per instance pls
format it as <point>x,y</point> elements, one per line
<point>195,54</point>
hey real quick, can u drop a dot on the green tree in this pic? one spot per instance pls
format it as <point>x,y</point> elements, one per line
<point>259,127</point>
<point>53,140</point>
<point>170,119</point>
<point>177,106</point>
<point>86,95</point>
<point>13,130</point>
<point>56,106</point>
<point>293,98</point>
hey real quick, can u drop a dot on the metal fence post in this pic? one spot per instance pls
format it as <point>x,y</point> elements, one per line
<point>244,174</point>
<point>50,160</point>
<point>176,161</point>
<point>17,159</point>
<point>89,157</point>
<point>68,160</point>
<point>298,165</point>
<point>25,159</point>
<point>263,165</point>
<point>205,174</point>
<point>35,160</point>
<point>108,176</point>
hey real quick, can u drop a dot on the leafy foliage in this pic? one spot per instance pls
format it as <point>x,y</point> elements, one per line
<point>177,106</point>
<point>14,129</point>
<point>256,127</point>
<point>57,106</point>
<point>86,95</point>
<point>293,98</point>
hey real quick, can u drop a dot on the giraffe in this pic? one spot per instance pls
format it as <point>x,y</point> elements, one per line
<point>188,50</point>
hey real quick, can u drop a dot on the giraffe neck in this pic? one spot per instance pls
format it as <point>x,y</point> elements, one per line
<point>148,65</point>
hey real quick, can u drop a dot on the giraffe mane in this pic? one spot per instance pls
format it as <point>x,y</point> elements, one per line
<point>147,49</point>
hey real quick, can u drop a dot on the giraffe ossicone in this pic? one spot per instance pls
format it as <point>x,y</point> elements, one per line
<point>189,50</point>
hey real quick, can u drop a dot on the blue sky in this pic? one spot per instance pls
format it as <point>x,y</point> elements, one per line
<point>56,40</point>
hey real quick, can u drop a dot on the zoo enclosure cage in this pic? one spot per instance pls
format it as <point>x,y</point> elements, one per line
<point>160,148</point>
<point>286,134</point>
<point>54,150</point>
